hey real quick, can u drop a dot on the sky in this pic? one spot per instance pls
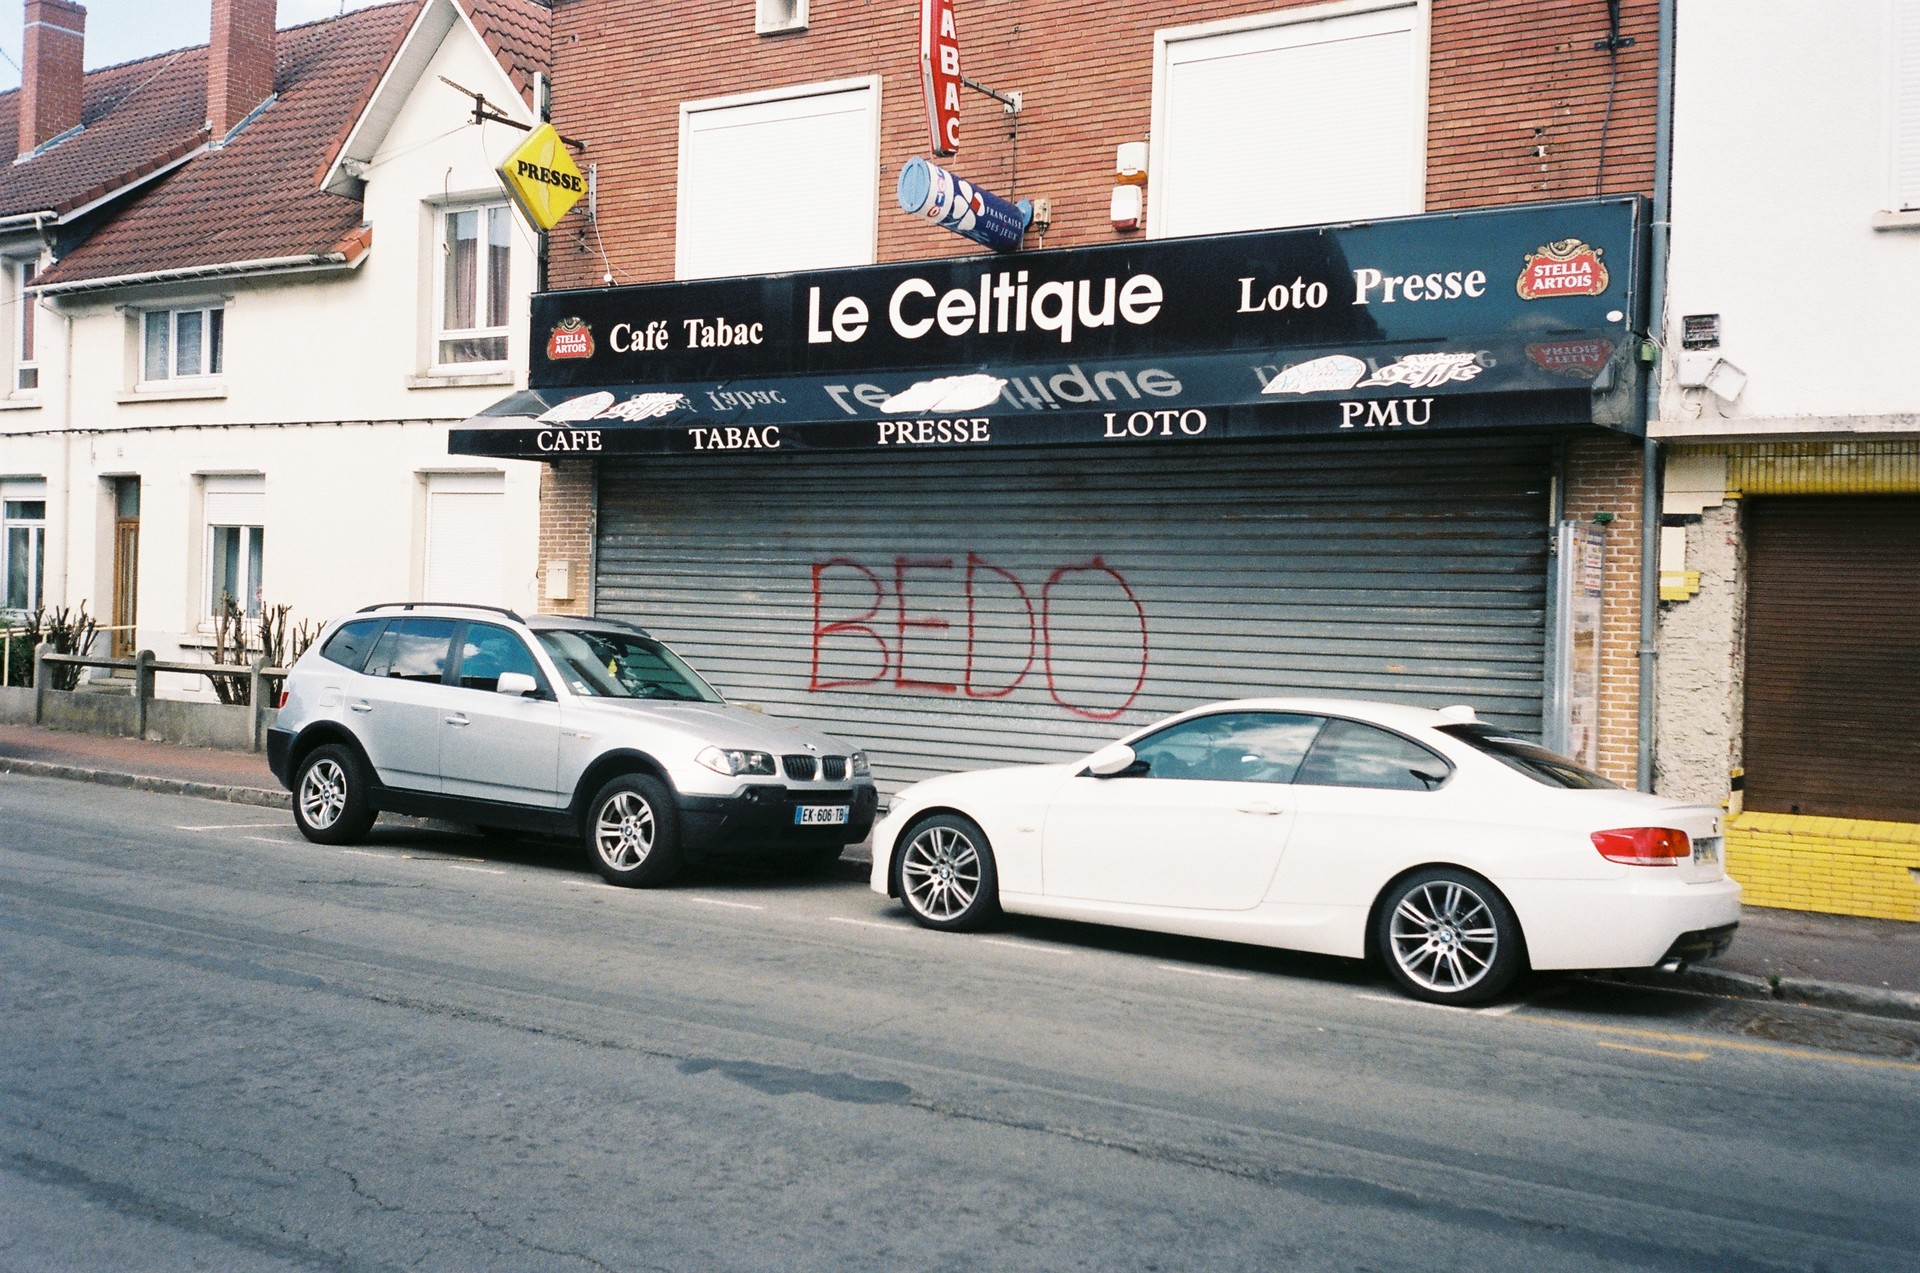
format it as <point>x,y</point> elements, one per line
<point>121,30</point>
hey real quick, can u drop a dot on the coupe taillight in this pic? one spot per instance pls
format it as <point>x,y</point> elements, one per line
<point>1644,846</point>
<point>283,699</point>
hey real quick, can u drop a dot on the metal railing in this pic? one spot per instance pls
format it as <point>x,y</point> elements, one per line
<point>143,666</point>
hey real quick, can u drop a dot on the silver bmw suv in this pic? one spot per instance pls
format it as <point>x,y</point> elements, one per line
<point>552,724</point>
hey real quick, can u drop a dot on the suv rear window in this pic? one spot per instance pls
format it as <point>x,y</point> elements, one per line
<point>413,650</point>
<point>350,645</point>
<point>1531,759</point>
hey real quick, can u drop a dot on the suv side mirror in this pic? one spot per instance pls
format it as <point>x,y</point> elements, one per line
<point>1113,759</point>
<point>518,684</point>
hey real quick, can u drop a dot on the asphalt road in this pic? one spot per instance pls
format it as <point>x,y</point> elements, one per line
<point>226,1048</point>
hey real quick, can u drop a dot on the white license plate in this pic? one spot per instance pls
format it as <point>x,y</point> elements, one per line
<point>1707,849</point>
<point>820,815</point>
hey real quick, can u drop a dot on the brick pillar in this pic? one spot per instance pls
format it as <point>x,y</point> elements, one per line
<point>1603,476</point>
<point>239,62</point>
<point>567,519</point>
<point>52,78</point>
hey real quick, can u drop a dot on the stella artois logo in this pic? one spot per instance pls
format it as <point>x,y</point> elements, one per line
<point>1580,359</point>
<point>1566,267</point>
<point>571,338</point>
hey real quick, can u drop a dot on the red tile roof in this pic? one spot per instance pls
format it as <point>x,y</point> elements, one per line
<point>520,33</point>
<point>258,198</point>
<point>136,118</point>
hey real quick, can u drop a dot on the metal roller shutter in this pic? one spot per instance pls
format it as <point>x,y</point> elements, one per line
<point>1833,641</point>
<point>951,610</point>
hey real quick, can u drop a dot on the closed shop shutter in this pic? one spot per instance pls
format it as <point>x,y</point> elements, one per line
<point>1833,644</point>
<point>951,610</point>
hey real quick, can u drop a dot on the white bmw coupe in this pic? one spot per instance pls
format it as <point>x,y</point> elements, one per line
<point>1455,854</point>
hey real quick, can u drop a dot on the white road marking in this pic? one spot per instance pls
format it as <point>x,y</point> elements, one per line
<point>233,826</point>
<point>869,923</point>
<point>261,839</point>
<point>480,870</point>
<point>1404,1002</point>
<point>716,901</point>
<point>1035,947</point>
<point>1204,972</point>
<point>1628,1047</point>
<point>362,853</point>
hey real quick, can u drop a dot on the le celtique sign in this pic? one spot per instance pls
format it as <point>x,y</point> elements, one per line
<point>1449,278</point>
<point>1515,318</point>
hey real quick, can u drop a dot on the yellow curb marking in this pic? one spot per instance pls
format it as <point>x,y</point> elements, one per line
<point>1731,1045</point>
<point>1634,1047</point>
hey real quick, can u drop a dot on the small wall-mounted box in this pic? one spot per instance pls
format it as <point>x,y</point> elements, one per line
<point>1125,209</point>
<point>559,580</point>
<point>1130,163</point>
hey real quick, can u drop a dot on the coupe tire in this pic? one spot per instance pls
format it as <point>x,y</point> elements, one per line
<point>1449,937</point>
<point>330,796</point>
<point>946,873</point>
<point>633,833</point>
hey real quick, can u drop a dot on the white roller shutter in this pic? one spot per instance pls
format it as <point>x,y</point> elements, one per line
<point>1906,105</point>
<point>779,181</point>
<point>466,537</point>
<point>1292,122</point>
<point>239,500</point>
<point>952,610</point>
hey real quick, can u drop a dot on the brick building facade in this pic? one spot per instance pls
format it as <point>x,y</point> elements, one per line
<point>1517,105</point>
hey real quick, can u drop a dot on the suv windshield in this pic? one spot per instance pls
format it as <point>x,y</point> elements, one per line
<point>1531,759</point>
<point>622,665</point>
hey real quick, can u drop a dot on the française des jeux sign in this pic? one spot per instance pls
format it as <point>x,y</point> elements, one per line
<point>1529,273</point>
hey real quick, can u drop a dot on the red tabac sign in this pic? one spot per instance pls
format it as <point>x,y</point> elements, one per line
<point>1565,267</point>
<point>940,74</point>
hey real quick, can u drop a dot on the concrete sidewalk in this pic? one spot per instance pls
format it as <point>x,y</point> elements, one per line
<point>1838,961</point>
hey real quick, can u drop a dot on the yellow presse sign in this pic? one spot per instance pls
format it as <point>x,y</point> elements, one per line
<point>542,177</point>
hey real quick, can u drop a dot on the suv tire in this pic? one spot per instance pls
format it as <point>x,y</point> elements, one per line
<point>330,804</point>
<point>633,832</point>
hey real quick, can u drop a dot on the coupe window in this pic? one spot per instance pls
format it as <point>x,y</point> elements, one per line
<point>623,665</point>
<point>1228,747</point>
<point>1349,754</point>
<point>1531,759</point>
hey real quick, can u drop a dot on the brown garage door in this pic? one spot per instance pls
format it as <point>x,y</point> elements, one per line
<point>1833,656</point>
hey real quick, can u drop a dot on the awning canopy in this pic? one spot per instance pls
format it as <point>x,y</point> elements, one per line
<point>1496,319</point>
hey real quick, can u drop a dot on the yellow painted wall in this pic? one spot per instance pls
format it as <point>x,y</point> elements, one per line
<point>1841,866</point>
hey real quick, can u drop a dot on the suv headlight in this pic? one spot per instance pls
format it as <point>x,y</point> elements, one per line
<point>860,767</point>
<point>734,761</point>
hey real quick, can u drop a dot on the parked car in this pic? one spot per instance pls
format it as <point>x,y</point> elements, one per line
<point>1454,853</point>
<point>574,726</point>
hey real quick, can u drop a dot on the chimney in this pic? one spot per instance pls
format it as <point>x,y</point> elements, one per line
<point>239,62</point>
<point>52,79</point>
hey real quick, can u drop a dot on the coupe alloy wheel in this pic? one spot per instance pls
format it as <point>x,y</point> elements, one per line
<point>1444,936</point>
<point>940,872</point>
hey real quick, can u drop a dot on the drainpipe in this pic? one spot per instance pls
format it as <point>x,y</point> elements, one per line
<point>1650,453</point>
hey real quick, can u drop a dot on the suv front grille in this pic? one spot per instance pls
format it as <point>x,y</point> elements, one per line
<point>799,768</point>
<point>833,768</point>
<point>809,768</point>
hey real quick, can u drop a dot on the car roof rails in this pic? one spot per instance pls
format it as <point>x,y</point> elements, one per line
<point>449,605</point>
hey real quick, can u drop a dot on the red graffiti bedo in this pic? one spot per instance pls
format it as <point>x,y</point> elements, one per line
<point>886,624</point>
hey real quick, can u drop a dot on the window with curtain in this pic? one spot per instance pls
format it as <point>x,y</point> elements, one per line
<point>474,285</point>
<point>182,344</point>
<point>23,541</point>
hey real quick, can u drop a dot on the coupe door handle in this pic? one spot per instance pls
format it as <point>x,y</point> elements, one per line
<point>1260,806</point>
<point>457,720</point>
<point>360,707</point>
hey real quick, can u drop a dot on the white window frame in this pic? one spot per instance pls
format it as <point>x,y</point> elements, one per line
<point>1421,62</point>
<point>482,298</point>
<point>871,84</point>
<point>212,366</point>
<point>21,271</point>
<point>244,498</point>
<point>771,17</point>
<point>36,528</point>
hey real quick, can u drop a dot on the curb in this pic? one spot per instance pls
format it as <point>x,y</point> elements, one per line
<point>1897,1004</point>
<point>229,793</point>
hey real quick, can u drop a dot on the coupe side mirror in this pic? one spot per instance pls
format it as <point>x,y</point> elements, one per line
<point>1114,758</point>
<point>518,684</point>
